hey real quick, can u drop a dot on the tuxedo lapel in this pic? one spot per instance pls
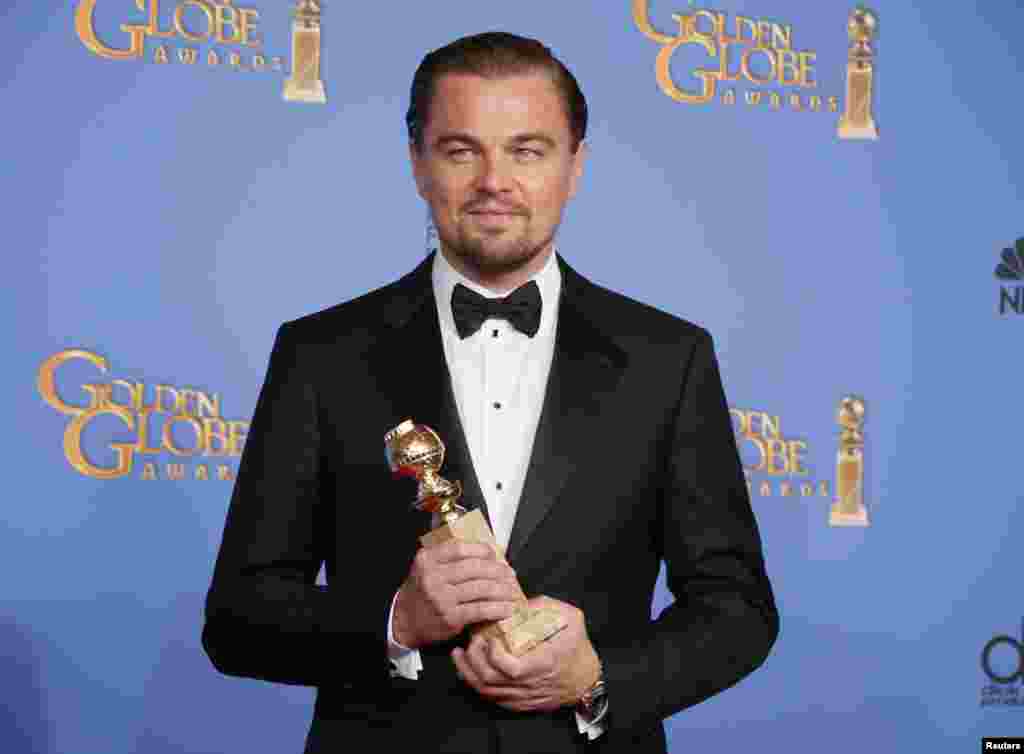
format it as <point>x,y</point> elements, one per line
<point>459,461</point>
<point>412,376</point>
<point>585,368</point>
<point>411,372</point>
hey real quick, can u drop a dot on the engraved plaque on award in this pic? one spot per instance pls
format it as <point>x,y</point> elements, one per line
<point>415,450</point>
<point>856,121</point>
<point>304,85</point>
<point>848,508</point>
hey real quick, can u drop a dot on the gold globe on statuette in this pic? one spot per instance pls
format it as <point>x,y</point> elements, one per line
<point>415,450</point>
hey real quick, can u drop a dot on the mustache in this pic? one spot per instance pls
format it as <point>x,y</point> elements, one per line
<point>492,206</point>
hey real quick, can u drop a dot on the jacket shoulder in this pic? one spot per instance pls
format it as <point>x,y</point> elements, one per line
<point>627,318</point>
<point>360,316</point>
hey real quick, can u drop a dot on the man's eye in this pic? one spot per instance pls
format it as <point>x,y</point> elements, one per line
<point>530,154</point>
<point>460,153</point>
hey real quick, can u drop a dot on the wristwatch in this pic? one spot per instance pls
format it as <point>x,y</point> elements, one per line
<point>594,701</point>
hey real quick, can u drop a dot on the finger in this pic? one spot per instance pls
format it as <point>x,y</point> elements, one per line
<point>468,613</point>
<point>454,551</point>
<point>486,589</point>
<point>464,671</point>
<point>550,602</point>
<point>531,704</point>
<point>533,664</point>
<point>514,696</point>
<point>476,656</point>
<point>473,668</point>
<point>468,569</point>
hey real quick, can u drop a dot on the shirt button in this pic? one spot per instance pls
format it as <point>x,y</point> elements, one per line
<point>497,405</point>
<point>494,333</point>
<point>498,485</point>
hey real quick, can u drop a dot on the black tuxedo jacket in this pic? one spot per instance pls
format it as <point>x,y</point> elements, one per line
<point>634,462</point>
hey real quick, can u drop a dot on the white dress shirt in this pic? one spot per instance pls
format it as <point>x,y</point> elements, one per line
<point>499,376</point>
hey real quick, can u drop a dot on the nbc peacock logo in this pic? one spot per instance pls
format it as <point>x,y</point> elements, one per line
<point>1011,269</point>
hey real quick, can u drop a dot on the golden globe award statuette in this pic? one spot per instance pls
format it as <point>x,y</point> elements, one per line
<point>856,121</point>
<point>848,509</point>
<point>304,85</point>
<point>415,450</point>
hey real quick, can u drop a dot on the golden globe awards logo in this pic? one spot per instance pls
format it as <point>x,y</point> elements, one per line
<point>756,54</point>
<point>776,464</point>
<point>779,462</point>
<point>172,422</point>
<point>210,34</point>
<point>749,62</point>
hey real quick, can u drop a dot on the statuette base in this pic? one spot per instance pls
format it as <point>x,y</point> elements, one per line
<point>860,131</point>
<point>838,518</point>
<point>524,630</point>
<point>312,92</point>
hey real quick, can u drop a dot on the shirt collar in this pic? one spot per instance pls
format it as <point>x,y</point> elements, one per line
<point>445,277</point>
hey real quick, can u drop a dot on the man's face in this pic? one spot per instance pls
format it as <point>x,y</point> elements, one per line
<point>496,168</point>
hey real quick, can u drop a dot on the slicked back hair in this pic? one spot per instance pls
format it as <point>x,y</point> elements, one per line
<point>493,54</point>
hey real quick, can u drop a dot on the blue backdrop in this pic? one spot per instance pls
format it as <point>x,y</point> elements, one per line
<point>167,217</point>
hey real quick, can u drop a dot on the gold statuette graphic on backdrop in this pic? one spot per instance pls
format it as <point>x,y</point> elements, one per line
<point>305,85</point>
<point>856,121</point>
<point>848,508</point>
<point>415,450</point>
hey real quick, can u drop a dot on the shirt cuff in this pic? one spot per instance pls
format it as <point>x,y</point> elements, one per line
<point>405,662</point>
<point>595,727</point>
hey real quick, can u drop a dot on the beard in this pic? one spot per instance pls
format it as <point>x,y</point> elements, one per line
<point>494,254</point>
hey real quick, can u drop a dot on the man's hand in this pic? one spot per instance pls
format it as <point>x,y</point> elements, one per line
<point>449,587</point>
<point>553,674</point>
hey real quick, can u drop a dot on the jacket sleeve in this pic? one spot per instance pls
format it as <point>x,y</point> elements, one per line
<point>266,617</point>
<point>723,621</point>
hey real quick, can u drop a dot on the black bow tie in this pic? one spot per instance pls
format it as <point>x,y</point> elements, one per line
<point>521,308</point>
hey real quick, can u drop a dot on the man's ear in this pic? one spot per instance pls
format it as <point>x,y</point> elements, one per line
<point>579,158</point>
<point>418,173</point>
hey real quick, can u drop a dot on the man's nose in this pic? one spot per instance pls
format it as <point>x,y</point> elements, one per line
<point>495,174</point>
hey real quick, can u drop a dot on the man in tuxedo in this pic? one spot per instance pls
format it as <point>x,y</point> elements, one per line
<point>591,430</point>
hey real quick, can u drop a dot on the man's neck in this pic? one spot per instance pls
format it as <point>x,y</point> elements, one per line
<point>501,282</point>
